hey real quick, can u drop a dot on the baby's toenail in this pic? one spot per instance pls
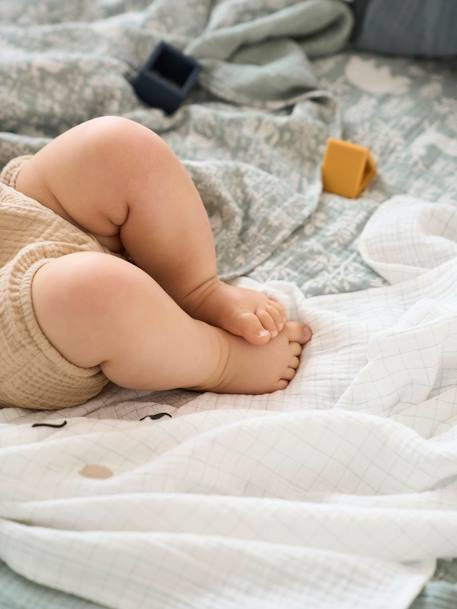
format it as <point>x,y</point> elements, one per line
<point>263,333</point>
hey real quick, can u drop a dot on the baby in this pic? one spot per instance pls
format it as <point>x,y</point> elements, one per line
<point>136,299</point>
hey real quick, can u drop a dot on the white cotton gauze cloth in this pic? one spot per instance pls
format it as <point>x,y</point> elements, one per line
<point>339,492</point>
<point>407,236</point>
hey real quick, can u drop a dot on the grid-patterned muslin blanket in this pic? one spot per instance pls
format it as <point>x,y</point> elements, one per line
<point>269,499</point>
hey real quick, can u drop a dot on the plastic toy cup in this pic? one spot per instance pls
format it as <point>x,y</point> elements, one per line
<point>166,78</point>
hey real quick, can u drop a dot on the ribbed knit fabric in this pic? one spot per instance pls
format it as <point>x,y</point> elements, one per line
<point>33,374</point>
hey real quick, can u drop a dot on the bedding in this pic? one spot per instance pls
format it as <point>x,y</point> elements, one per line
<point>339,491</point>
<point>418,28</point>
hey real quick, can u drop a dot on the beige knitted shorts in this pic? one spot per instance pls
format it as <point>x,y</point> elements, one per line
<point>33,374</point>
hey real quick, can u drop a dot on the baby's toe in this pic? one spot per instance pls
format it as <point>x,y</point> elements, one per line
<point>289,374</point>
<point>252,330</point>
<point>294,362</point>
<point>274,311</point>
<point>295,348</point>
<point>267,321</point>
<point>282,384</point>
<point>279,308</point>
<point>298,332</point>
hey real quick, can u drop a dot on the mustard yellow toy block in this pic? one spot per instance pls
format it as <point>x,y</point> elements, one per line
<point>347,168</point>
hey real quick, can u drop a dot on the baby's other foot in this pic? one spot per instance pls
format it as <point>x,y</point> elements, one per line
<point>246,313</point>
<point>250,369</point>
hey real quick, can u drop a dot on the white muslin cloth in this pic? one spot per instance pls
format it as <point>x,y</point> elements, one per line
<point>339,492</point>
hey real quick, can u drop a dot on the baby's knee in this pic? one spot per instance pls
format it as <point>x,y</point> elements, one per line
<point>79,280</point>
<point>126,139</point>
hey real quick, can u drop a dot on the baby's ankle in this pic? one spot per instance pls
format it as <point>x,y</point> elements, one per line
<point>194,298</point>
<point>221,370</point>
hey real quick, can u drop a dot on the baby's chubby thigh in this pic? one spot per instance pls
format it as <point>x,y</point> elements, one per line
<point>86,173</point>
<point>79,298</point>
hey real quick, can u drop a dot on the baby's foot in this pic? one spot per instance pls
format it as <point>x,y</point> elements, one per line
<point>244,368</point>
<point>247,313</point>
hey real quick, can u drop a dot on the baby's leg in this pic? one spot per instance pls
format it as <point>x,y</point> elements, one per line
<point>98,309</point>
<point>120,181</point>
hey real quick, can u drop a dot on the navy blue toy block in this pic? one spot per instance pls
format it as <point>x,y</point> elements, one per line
<point>166,78</point>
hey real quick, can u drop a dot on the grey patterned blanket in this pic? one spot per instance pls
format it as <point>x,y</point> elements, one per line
<point>257,171</point>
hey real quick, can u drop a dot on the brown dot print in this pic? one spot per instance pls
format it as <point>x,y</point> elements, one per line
<point>95,471</point>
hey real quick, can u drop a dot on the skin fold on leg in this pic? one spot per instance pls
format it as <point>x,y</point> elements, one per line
<point>121,182</point>
<point>98,309</point>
